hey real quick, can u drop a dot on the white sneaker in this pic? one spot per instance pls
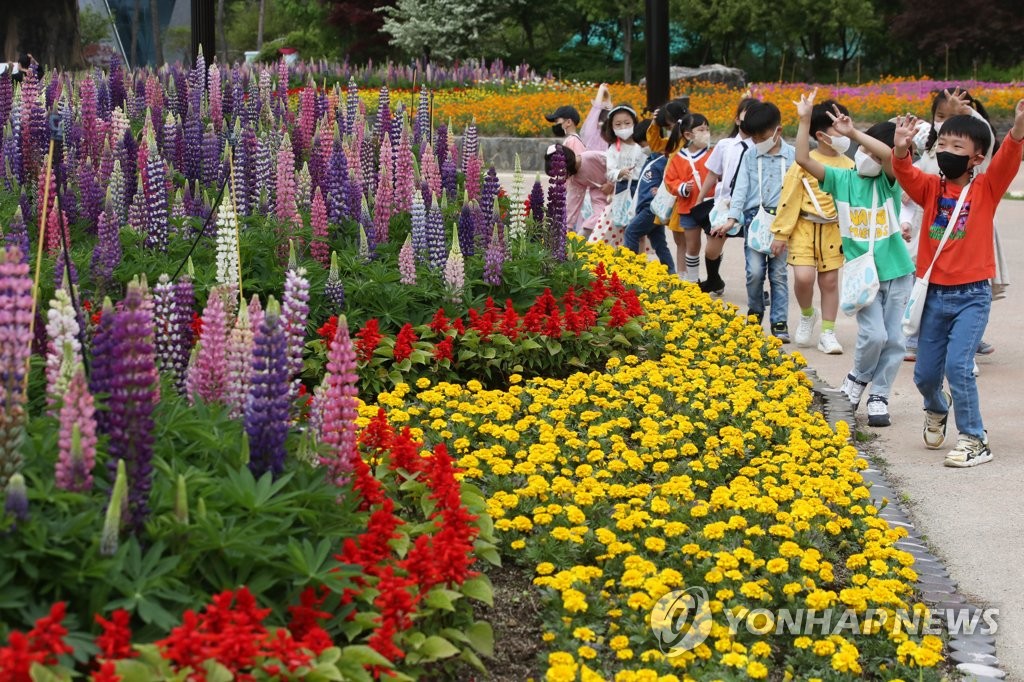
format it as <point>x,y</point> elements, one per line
<point>878,411</point>
<point>828,343</point>
<point>969,452</point>
<point>853,390</point>
<point>805,329</point>
<point>935,425</point>
<point>976,371</point>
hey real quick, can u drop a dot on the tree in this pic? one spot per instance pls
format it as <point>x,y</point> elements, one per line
<point>360,23</point>
<point>983,30</point>
<point>444,29</point>
<point>48,29</point>
<point>625,13</point>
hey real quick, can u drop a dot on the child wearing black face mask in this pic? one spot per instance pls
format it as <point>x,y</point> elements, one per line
<point>959,297</point>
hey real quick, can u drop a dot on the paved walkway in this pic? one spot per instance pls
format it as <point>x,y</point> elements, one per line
<point>972,518</point>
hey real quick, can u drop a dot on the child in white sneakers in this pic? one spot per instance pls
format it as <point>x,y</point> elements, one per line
<point>959,296</point>
<point>880,340</point>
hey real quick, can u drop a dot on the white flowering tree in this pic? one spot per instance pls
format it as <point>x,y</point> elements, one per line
<point>439,29</point>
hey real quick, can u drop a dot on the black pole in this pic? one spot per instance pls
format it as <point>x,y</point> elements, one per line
<point>656,34</point>
<point>204,23</point>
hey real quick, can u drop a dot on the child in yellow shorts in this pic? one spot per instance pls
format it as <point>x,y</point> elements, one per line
<point>806,227</point>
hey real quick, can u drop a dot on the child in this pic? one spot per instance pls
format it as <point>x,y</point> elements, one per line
<point>684,176</point>
<point>806,228</point>
<point>880,341</point>
<point>723,164</point>
<point>946,104</point>
<point>624,157</point>
<point>565,120</point>
<point>585,173</point>
<point>959,295</point>
<point>643,223</point>
<point>772,155</point>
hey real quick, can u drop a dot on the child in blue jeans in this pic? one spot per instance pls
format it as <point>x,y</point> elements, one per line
<point>773,156</point>
<point>643,223</point>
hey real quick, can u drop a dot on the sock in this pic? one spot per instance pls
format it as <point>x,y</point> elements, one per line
<point>807,312</point>
<point>712,266</point>
<point>828,325</point>
<point>692,268</point>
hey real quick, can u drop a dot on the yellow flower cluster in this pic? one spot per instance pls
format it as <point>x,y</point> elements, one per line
<point>699,465</point>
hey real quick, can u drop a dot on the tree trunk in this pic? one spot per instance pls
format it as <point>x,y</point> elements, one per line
<point>259,25</point>
<point>158,43</point>
<point>627,49</point>
<point>134,51</point>
<point>48,29</point>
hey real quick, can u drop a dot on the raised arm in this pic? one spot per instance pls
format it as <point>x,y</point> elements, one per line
<point>844,126</point>
<point>803,137</point>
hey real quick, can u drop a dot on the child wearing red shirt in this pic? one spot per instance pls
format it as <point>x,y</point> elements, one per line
<point>959,296</point>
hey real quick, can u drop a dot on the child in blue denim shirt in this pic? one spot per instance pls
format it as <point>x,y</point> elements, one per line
<point>773,156</point>
<point>643,223</point>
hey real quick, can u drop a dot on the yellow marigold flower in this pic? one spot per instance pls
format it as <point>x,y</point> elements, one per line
<point>824,647</point>
<point>586,652</point>
<point>518,544</point>
<point>654,544</point>
<point>777,565</point>
<point>757,670</point>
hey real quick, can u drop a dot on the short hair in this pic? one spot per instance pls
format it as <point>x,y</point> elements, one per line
<point>640,131</point>
<point>965,125</point>
<point>820,119</point>
<point>570,159</point>
<point>883,132</point>
<point>761,117</point>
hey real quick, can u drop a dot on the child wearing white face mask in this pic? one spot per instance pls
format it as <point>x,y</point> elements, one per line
<point>807,230</point>
<point>684,176</point>
<point>880,340</point>
<point>624,158</point>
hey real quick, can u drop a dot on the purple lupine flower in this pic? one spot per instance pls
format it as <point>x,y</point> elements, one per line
<point>382,123</point>
<point>172,312</point>
<point>286,210</point>
<point>435,237</point>
<point>169,141</point>
<point>255,314</point>
<point>368,166</point>
<point>449,179</point>
<point>76,442</point>
<point>13,146</point>
<point>193,161</point>
<point>155,188</point>
<point>307,121</point>
<point>418,232</point>
<point>336,184</point>
<point>116,78</point>
<point>537,202</point>
<point>470,146</point>
<point>213,148</point>
<point>7,98</point>
<point>404,173</point>
<point>382,205</point>
<point>92,143</point>
<point>206,377</point>
<point>239,363</point>
<point>137,210</point>
<point>127,153</point>
<point>473,168</point>
<point>353,196</point>
<point>124,367</point>
<point>267,408</point>
<point>92,196</point>
<point>246,167</point>
<point>407,262</point>
<point>421,124</point>
<point>494,258</point>
<point>334,290</point>
<point>489,194</point>
<point>441,144</point>
<point>17,234</point>
<point>216,95</point>
<point>556,207</point>
<point>263,190</point>
<point>428,196</point>
<point>467,228</point>
<point>340,404</point>
<point>106,255</point>
<point>351,106</point>
<point>16,498</point>
<point>295,317</point>
<point>319,248</point>
<point>15,347</point>
<point>395,130</point>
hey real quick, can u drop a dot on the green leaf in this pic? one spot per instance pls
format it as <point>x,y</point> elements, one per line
<point>481,637</point>
<point>479,588</point>
<point>217,672</point>
<point>363,655</point>
<point>41,673</point>
<point>134,671</point>
<point>441,598</point>
<point>435,648</point>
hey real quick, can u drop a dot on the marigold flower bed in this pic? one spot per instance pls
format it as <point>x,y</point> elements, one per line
<point>704,467</point>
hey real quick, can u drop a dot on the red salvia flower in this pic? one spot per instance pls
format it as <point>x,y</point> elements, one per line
<point>439,324</point>
<point>443,350</point>
<point>403,342</point>
<point>633,305</point>
<point>197,326</point>
<point>553,328</point>
<point>619,316</point>
<point>367,339</point>
<point>458,326</point>
<point>510,321</point>
<point>116,640</point>
<point>328,330</point>
<point>106,673</point>
<point>405,453</point>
